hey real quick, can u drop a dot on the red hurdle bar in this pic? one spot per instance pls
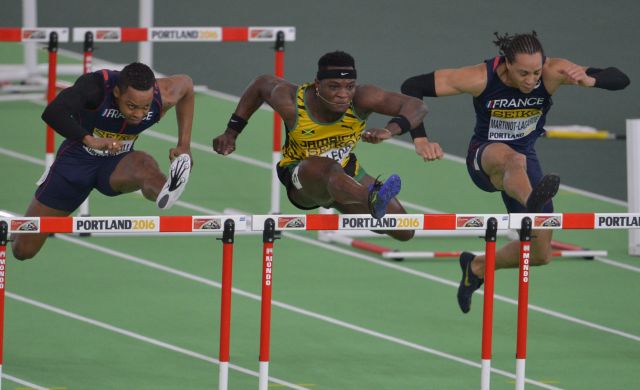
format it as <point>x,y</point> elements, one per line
<point>32,34</point>
<point>225,306</point>
<point>125,224</point>
<point>487,313</point>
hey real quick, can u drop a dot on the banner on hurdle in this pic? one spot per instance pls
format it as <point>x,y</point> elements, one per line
<point>36,34</point>
<point>129,225</point>
<point>388,222</point>
<point>184,34</point>
<point>578,220</point>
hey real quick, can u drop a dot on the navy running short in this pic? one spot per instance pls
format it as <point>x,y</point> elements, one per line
<point>482,181</point>
<point>74,174</point>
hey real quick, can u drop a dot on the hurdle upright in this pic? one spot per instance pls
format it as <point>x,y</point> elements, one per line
<point>253,34</point>
<point>526,222</point>
<point>4,236</point>
<point>214,224</point>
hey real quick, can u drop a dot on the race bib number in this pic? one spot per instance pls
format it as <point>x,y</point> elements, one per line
<point>338,155</point>
<point>126,142</point>
<point>505,125</point>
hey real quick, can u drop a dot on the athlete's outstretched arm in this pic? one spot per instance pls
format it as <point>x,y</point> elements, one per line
<point>443,82</point>
<point>178,91</point>
<point>369,98</point>
<point>446,82</point>
<point>269,89</point>
<point>408,113</point>
<point>560,71</point>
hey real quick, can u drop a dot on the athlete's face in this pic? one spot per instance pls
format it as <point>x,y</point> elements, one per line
<point>525,71</point>
<point>134,104</point>
<point>336,94</point>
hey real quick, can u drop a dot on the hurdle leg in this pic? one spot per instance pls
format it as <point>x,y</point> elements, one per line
<point>268,238</point>
<point>523,301</point>
<point>225,307</point>
<point>487,313</point>
<point>51,94</point>
<point>87,66</point>
<point>4,232</point>
<point>276,154</point>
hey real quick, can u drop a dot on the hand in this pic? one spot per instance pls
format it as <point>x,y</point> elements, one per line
<point>576,75</point>
<point>178,150</point>
<point>375,136</point>
<point>429,151</point>
<point>225,143</point>
<point>108,145</point>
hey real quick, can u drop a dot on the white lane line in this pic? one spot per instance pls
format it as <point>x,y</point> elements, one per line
<point>23,382</point>
<point>142,338</point>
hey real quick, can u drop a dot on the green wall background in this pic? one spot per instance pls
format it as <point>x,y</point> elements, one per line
<point>394,40</point>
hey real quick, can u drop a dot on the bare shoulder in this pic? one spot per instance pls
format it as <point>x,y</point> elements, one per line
<point>173,88</point>
<point>283,88</point>
<point>368,89</point>
<point>368,94</point>
<point>272,88</point>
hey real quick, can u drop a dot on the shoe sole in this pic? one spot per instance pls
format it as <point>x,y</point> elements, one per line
<point>389,190</point>
<point>164,199</point>
<point>543,193</point>
<point>463,267</point>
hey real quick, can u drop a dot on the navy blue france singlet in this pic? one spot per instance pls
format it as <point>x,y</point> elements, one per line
<point>505,114</point>
<point>107,121</point>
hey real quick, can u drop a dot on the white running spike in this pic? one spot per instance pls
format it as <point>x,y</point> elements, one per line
<point>176,182</point>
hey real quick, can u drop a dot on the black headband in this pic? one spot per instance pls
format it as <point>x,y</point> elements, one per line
<point>336,74</point>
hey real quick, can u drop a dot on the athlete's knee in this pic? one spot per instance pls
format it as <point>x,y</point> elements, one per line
<point>516,160</point>
<point>541,257</point>
<point>404,235</point>
<point>21,251</point>
<point>146,162</point>
<point>145,166</point>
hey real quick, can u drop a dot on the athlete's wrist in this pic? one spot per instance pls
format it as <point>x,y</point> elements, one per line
<point>393,128</point>
<point>232,132</point>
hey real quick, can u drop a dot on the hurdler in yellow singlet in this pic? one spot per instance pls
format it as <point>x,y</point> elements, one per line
<point>310,137</point>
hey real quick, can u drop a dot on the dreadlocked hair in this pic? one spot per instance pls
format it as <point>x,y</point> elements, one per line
<point>137,76</point>
<point>510,45</point>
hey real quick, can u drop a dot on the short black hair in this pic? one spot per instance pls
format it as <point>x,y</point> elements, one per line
<point>336,58</point>
<point>136,75</point>
<point>510,45</point>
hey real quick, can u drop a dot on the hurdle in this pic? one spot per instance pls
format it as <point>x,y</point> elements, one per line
<point>277,35</point>
<point>269,224</point>
<point>148,35</point>
<point>52,36</point>
<point>226,225</point>
<point>489,223</point>
<point>350,239</point>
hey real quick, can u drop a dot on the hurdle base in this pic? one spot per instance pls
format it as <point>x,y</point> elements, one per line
<point>263,379</point>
